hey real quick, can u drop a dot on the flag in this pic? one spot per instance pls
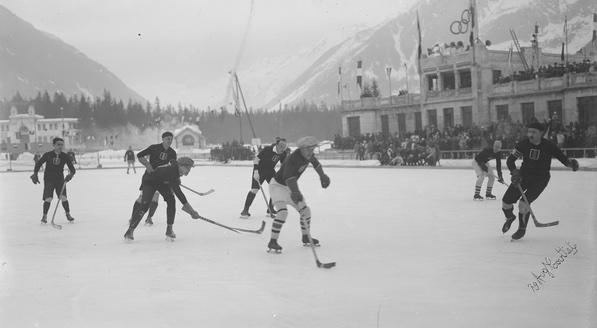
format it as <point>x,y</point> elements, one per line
<point>562,52</point>
<point>339,78</point>
<point>360,74</point>
<point>594,30</point>
<point>419,48</point>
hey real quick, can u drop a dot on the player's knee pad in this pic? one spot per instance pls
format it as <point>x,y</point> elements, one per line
<point>254,191</point>
<point>523,207</point>
<point>280,218</point>
<point>170,200</point>
<point>305,212</point>
<point>507,206</point>
<point>48,200</point>
<point>156,197</point>
<point>63,198</point>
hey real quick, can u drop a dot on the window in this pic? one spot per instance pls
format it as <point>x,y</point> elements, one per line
<point>496,76</point>
<point>385,125</point>
<point>418,122</point>
<point>465,79</point>
<point>554,108</point>
<point>432,117</point>
<point>467,116</point>
<point>528,112</point>
<point>587,110</point>
<point>448,81</point>
<point>188,140</point>
<point>354,126</point>
<point>432,82</point>
<point>448,117</point>
<point>502,113</point>
<point>401,124</point>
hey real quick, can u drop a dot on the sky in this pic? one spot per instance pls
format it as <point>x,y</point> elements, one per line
<point>149,44</point>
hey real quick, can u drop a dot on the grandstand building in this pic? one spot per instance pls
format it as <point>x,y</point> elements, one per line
<point>462,87</point>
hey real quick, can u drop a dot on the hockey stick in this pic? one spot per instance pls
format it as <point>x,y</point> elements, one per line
<point>260,230</point>
<point>57,226</point>
<point>537,223</point>
<point>198,193</point>
<point>319,264</point>
<point>265,198</point>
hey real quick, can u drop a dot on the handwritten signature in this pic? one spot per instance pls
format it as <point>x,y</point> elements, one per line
<point>549,265</point>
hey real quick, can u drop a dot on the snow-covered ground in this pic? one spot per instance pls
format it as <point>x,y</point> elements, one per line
<point>412,250</point>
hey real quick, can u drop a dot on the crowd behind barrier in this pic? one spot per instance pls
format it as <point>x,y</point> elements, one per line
<point>232,151</point>
<point>429,146</point>
<point>549,71</point>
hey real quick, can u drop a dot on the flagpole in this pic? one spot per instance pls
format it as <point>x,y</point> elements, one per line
<point>566,31</point>
<point>406,75</point>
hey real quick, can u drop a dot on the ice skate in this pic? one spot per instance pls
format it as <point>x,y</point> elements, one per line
<point>522,227</point>
<point>128,236</point>
<point>489,196</point>
<point>170,235</point>
<point>148,222</point>
<point>273,246</point>
<point>69,217</point>
<point>306,241</point>
<point>44,219</point>
<point>245,214</point>
<point>477,197</point>
<point>508,223</point>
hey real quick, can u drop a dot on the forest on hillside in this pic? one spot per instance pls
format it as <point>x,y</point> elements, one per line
<point>102,114</point>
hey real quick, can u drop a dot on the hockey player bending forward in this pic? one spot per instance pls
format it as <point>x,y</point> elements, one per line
<point>284,190</point>
<point>483,169</point>
<point>54,180</point>
<point>165,180</point>
<point>533,175</point>
<point>264,165</point>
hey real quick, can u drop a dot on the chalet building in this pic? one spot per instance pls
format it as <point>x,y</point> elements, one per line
<point>25,131</point>
<point>461,88</point>
<point>188,137</point>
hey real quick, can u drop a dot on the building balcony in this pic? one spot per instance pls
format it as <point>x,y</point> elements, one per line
<point>569,80</point>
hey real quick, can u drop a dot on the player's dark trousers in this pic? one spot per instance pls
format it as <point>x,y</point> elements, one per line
<point>533,187</point>
<point>149,190</point>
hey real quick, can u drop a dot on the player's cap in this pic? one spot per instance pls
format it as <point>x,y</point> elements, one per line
<point>186,161</point>
<point>536,125</point>
<point>167,134</point>
<point>306,142</point>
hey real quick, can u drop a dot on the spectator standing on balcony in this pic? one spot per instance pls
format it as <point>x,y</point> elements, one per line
<point>533,176</point>
<point>483,169</point>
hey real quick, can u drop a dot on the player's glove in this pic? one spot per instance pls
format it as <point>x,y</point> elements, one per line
<point>195,215</point>
<point>516,176</point>
<point>296,196</point>
<point>256,175</point>
<point>500,178</point>
<point>68,178</point>
<point>34,178</point>
<point>325,181</point>
<point>483,167</point>
<point>573,163</point>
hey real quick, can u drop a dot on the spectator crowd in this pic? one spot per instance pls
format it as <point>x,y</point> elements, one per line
<point>549,71</point>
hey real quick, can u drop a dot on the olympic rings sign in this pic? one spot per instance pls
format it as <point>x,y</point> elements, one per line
<point>461,26</point>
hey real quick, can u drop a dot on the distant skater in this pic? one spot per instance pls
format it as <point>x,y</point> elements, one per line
<point>164,180</point>
<point>533,176</point>
<point>159,154</point>
<point>129,158</point>
<point>483,169</point>
<point>54,179</point>
<point>284,190</point>
<point>264,169</point>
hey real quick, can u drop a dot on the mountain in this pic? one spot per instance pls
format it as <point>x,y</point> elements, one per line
<point>394,43</point>
<point>32,61</point>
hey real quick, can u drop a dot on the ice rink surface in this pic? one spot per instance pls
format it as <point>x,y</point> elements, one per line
<point>412,250</point>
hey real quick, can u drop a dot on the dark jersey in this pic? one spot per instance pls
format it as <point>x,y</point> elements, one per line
<point>268,158</point>
<point>129,155</point>
<point>294,166</point>
<point>158,155</point>
<point>536,159</point>
<point>166,175</point>
<point>487,154</point>
<point>54,165</point>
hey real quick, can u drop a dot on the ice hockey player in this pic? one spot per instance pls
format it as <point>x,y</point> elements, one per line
<point>533,176</point>
<point>54,178</point>
<point>129,158</point>
<point>264,169</point>
<point>483,169</point>
<point>164,180</point>
<point>159,154</point>
<point>284,190</point>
